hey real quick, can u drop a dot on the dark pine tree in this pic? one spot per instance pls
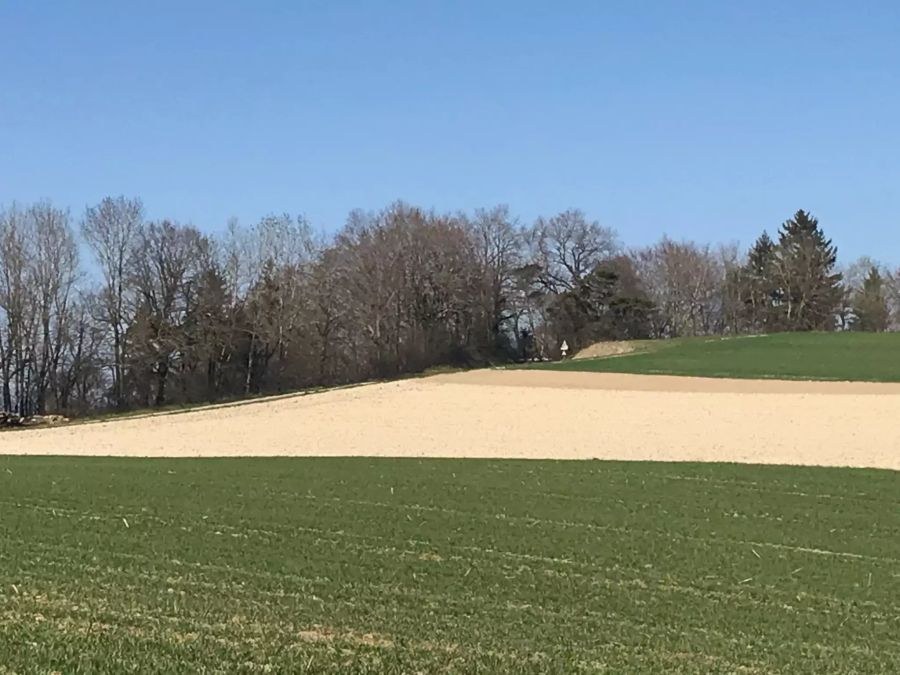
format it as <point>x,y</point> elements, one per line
<point>809,290</point>
<point>760,290</point>
<point>870,305</point>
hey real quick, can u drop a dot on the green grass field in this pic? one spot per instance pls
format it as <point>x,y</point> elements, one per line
<point>872,357</point>
<point>363,565</point>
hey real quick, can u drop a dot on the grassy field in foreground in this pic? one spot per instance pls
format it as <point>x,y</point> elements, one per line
<point>365,565</point>
<point>873,357</point>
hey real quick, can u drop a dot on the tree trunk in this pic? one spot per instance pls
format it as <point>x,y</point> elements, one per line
<point>118,367</point>
<point>162,371</point>
<point>249,378</point>
<point>211,377</point>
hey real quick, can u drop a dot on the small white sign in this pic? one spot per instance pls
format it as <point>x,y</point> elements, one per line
<point>563,348</point>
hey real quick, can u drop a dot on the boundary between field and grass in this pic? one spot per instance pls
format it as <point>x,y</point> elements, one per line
<point>180,409</point>
<point>673,365</point>
<point>814,357</point>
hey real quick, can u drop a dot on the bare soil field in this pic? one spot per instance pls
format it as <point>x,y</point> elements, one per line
<point>521,414</point>
<point>605,349</point>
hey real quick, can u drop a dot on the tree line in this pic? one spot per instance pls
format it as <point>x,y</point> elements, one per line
<point>110,310</point>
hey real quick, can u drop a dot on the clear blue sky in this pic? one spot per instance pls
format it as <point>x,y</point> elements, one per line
<point>706,120</point>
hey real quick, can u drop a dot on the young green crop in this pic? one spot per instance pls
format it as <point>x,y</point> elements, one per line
<point>873,357</point>
<point>381,565</point>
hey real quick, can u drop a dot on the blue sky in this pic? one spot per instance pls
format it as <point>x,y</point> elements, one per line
<point>703,120</point>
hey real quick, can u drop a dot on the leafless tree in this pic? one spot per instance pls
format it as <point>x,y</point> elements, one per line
<point>38,271</point>
<point>568,246</point>
<point>169,314</point>
<point>80,379</point>
<point>685,281</point>
<point>55,271</point>
<point>16,301</point>
<point>111,229</point>
<point>272,260</point>
<point>498,244</point>
<point>165,266</point>
<point>892,289</point>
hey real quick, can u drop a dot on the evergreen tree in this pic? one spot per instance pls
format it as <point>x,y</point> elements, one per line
<point>759,288</point>
<point>808,288</point>
<point>605,304</point>
<point>870,305</point>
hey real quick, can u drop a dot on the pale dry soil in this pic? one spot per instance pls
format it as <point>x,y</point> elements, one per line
<point>605,349</point>
<point>522,414</point>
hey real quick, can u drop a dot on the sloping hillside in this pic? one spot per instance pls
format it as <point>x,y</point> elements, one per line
<point>522,414</point>
<point>864,357</point>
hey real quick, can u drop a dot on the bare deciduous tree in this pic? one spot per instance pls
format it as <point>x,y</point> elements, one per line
<point>16,257</point>
<point>684,280</point>
<point>110,230</point>
<point>176,316</point>
<point>272,258</point>
<point>165,266</point>
<point>55,270</point>
<point>498,245</point>
<point>38,271</point>
<point>568,246</point>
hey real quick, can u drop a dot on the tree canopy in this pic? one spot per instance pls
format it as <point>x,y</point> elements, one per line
<point>165,313</point>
